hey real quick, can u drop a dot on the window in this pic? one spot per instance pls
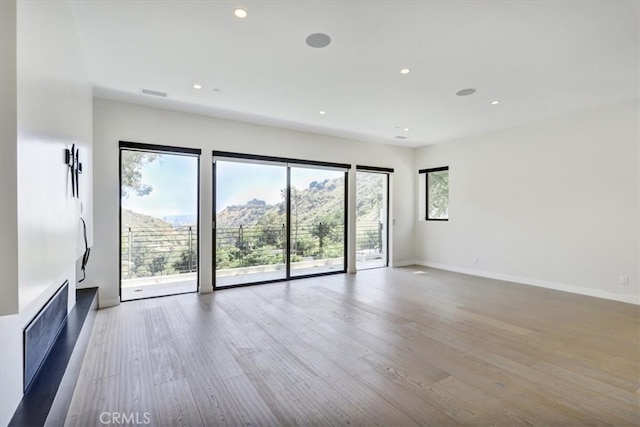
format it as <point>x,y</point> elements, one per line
<point>277,218</point>
<point>372,211</point>
<point>437,193</point>
<point>158,220</point>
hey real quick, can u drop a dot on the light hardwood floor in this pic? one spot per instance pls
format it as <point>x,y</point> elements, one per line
<point>404,346</point>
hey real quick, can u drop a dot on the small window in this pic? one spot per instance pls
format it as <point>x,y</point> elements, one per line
<point>437,196</point>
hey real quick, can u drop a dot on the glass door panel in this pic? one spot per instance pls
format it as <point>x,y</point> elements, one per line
<point>159,223</point>
<point>250,222</point>
<point>317,230</point>
<point>371,220</point>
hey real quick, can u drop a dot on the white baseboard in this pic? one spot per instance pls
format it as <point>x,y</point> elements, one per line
<point>206,289</point>
<point>403,263</point>
<point>104,303</point>
<point>598,293</point>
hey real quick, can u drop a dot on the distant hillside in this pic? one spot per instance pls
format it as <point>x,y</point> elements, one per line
<point>320,202</point>
<point>179,220</point>
<point>137,220</point>
<point>156,247</point>
<point>248,214</point>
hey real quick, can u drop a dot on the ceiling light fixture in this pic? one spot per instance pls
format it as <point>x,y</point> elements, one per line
<point>240,13</point>
<point>466,92</point>
<point>495,102</point>
<point>196,86</point>
<point>322,113</point>
<point>405,71</point>
<point>406,129</point>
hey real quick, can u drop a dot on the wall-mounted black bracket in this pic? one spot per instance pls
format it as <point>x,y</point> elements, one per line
<point>71,159</point>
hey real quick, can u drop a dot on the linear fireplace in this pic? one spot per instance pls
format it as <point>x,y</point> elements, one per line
<point>42,331</point>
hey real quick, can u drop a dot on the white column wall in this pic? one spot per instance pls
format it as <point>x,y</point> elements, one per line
<point>46,103</point>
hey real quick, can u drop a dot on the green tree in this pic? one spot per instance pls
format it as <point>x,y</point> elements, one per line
<point>158,264</point>
<point>438,188</point>
<point>296,199</point>
<point>185,261</point>
<point>131,175</point>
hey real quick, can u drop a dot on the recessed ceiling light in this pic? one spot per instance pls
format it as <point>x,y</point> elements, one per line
<point>240,13</point>
<point>322,113</point>
<point>196,86</point>
<point>405,71</point>
<point>406,129</point>
<point>495,102</point>
<point>466,92</point>
<point>318,40</point>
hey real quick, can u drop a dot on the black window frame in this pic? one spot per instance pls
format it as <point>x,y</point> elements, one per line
<point>387,172</point>
<point>159,149</point>
<point>426,172</point>
<point>288,163</point>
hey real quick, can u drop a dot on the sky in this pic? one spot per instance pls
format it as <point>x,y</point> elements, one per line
<point>174,180</point>
<point>237,183</point>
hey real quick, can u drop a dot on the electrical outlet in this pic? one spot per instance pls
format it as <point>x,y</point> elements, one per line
<point>624,280</point>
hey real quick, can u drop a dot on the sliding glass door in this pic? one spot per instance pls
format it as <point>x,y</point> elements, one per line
<point>158,220</point>
<point>317,220</point>
<point>250,222</point>
<point>277,218</point>
<point>372,206</point>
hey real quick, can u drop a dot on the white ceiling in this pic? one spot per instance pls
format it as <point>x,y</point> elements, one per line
<point>539,58</point>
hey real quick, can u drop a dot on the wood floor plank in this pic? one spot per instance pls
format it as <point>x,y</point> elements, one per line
<point>136,391</point>
<point>374,406</point>
<point>338,410</point>
<point>600,407</point>
<point>247,403</point>
<point>165,356</point>
<point>421,411</point>
<point>206,372</point>
<point>278,391</point>
<point>402,346</point>
<point>105,340</point>
<point>98,397</point>
<point>176,405</point>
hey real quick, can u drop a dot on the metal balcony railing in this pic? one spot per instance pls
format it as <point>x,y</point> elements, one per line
<point>159,251</point>
<point>248,246</point>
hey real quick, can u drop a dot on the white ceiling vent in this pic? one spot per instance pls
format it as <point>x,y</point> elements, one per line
<point>153,93</point>
<point>466,92</point>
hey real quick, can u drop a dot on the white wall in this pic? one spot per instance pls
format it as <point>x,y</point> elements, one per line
<point>53,110</point>
<point>8,165</point>
<point>115,121</point>
<point>554,203</point>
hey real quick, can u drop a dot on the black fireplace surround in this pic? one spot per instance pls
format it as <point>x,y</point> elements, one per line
<point>42,331</point>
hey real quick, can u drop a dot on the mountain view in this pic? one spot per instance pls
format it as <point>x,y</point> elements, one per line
<point>321,201</point>
<point>253,233</point>
<point>154,247</point>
